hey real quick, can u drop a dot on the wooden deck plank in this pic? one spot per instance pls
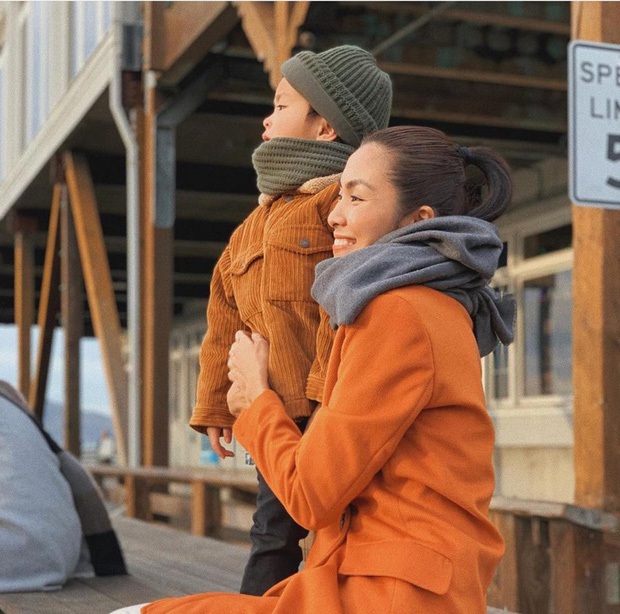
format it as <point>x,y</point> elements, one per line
<point>162,562</point>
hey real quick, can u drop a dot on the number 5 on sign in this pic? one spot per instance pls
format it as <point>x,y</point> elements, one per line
<point>613,154</point>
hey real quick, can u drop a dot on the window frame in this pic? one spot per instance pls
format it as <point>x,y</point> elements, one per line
<point>518,270</point>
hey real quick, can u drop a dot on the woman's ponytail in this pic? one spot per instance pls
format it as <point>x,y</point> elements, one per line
<point>498,183</point>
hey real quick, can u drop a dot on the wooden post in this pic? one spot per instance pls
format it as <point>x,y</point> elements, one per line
<point>101,299</point>
<point>504,590</point>
<point>206,509</point>
<point>137,498</point>
<point>72,310</point>
<point>596,320</point>
<point>272,31</point>
<point>48,307</point>
<point>24,296</point>
<point>157,279</point>
<point>157,284</point>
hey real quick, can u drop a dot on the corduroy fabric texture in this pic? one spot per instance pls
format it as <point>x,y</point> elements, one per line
<point>345,86</point>
<point>262,283</point>
<point>283,164</point>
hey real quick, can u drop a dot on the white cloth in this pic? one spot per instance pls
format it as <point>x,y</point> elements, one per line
<point>40,531</point>
<point>130,609</point>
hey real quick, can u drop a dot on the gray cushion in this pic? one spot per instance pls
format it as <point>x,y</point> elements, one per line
<point>40,530</point>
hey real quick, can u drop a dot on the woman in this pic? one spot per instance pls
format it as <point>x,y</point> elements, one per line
<point>395,471</point>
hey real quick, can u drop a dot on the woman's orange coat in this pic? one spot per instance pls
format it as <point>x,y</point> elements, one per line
<point>394,474</point>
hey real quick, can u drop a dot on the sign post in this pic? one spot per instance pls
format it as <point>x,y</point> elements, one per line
<point>594,124</point>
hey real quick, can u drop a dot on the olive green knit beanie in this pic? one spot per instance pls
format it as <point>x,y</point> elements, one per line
<point>345,86</point>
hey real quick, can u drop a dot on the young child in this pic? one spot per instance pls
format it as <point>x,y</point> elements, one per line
<point>323,106</point>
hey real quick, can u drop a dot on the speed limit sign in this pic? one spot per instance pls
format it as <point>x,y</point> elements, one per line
<point>594,124</point>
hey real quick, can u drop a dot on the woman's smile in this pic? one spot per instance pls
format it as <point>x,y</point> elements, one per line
<point>342,245</point>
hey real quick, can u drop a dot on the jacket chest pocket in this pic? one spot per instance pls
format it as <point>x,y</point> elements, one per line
<point>291,255</point>
<point>246,272</point>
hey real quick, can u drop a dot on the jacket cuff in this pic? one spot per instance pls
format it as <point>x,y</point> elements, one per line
<point>202,417</point>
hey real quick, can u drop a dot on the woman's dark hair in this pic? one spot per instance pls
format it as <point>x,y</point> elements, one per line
<point>429,169</point>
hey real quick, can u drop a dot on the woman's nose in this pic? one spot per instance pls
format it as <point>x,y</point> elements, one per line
<point>335,218</point>
<point>267,121</point>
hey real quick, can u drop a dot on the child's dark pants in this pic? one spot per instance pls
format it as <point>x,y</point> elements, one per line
<point>275,536</point>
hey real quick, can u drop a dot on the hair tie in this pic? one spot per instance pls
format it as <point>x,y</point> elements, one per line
<point>463,152</point>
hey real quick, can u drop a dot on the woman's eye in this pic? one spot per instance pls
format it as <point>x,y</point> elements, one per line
<point>279,107</point>
<point>355,199</point>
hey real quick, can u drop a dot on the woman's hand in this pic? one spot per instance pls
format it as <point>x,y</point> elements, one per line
<point>248,367</point>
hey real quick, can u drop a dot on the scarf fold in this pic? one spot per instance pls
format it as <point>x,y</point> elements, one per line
<point>457,255</point>
<point>284,164</point>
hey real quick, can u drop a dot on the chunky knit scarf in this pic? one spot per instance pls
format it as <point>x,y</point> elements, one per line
<point>456,255</point>
<point>284,164</point>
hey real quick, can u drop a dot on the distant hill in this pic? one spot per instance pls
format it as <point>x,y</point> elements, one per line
<point>92,424</point>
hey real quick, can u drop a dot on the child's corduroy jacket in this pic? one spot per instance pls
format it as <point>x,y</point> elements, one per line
<point>262,283</point>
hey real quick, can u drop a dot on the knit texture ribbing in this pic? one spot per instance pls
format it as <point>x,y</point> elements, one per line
<point>346,87</point>
<point>284,164</point>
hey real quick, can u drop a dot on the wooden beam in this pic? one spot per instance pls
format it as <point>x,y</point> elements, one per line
<point>72,310</point>
<point>48,307</point>
<point>596,325</point>
<point>475,76</point>
<point>24,286</point>
<point>482,18</point>
<point>181,34</point>
<point>280,33</point>
<point>99,290</point>
<point>272,29</point>
<point>476,119</point>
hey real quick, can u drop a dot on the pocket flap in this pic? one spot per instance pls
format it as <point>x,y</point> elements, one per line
<point>406,560</point>
<point>241,263</point>
<point>302,239</point>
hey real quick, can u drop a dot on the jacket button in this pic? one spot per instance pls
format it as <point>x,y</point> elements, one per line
<point>305,243</point>
<point>288,198</point>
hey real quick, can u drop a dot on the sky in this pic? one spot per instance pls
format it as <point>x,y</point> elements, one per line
<point>93,390</point>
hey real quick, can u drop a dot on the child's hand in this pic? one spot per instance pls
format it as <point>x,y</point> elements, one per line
<point>248,366</point>
<point>214,433</point>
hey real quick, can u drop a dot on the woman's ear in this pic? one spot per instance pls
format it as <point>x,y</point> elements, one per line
<point>325,131</point>
<point>425,212</point>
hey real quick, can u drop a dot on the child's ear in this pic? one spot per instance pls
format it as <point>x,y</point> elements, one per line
<point>325,131</point>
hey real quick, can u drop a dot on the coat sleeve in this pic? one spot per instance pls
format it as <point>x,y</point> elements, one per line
<point>384,380</point>
<point>223,321</point>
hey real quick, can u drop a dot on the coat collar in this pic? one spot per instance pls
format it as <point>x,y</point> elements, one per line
<point>312,186</point>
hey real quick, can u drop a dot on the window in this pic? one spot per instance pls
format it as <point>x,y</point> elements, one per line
<point>24,82</point>
<point>35,54</point>
<point>2,114</point>
<point>547,312</point>
<point>548,242</point>
<point>499,371</point>
<point>536,266</point>
<point>90,20</point>
<point>91,33</point>
<point>33,46</point>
